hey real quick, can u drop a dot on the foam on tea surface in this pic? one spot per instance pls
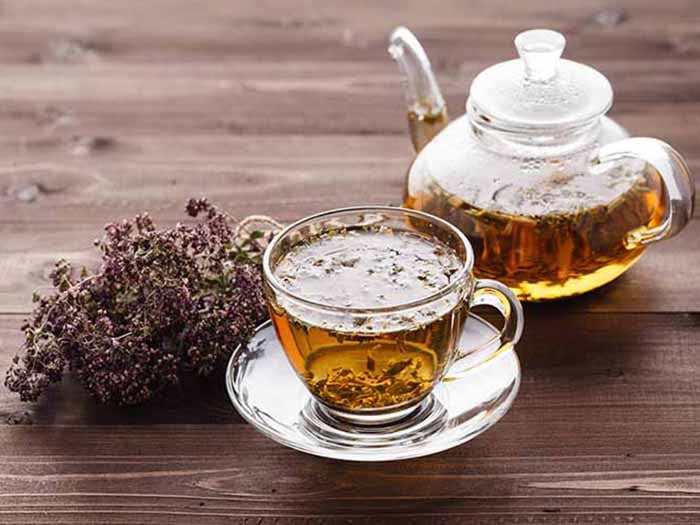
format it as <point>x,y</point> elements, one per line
<point>367,269</point>
<point>368,360</point>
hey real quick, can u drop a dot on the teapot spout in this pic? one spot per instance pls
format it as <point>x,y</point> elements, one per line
<point>427,111</point>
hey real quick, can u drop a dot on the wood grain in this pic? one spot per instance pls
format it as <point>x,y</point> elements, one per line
<point>71,32</point>
<point>111,108</point>
<point>571,360</point>
<point>93,473</point>
<point>78,193</point>
<point>662,281</point>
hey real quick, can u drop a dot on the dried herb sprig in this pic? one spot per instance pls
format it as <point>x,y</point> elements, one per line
<point>164,303</point>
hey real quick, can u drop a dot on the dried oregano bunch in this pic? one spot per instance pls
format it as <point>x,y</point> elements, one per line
<point>164,303</point>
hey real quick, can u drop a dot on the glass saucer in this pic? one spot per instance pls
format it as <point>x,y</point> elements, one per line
<point>268,394</point>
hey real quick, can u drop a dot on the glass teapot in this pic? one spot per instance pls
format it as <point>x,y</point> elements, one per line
<point>554,196</point>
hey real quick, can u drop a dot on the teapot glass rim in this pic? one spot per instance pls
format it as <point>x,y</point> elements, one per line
<point>483,119</point>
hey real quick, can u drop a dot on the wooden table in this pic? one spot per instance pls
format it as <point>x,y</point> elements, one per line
<point>109,109</point>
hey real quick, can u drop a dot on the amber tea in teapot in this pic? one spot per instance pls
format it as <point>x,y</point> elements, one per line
<point>550,251</point>
<point>553,195</point>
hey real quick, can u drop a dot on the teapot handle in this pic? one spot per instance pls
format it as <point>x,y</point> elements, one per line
<point>678,184</point>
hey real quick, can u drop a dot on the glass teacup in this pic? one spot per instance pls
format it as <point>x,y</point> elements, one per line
<point>369,304</point>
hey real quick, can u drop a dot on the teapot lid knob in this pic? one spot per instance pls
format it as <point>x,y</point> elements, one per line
<point>540,50</point>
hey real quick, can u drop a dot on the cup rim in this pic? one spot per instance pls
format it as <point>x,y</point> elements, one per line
<point>460,277</point>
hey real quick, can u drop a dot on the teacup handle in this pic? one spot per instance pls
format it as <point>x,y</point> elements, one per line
<point>497,295</point>
<point>679,187</point>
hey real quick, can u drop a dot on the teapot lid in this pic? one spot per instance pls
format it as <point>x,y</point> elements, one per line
<point>539,90</point>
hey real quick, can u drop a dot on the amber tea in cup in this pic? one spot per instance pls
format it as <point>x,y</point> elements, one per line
<point>369,305</point>
<point>367,362</point>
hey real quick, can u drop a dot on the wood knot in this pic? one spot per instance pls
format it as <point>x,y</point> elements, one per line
<point>614,372</point>
<point>68,51</point>
<point>33,182</point>
<point>53,117</point>
<point>685,44</point>
<point>610,17</point>
<point>24,192</point>
<point>88,145</point>
<point>19,418</point>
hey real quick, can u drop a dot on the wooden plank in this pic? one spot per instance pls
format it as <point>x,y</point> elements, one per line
<point>72,32</point>
<point>287,176</point>
<point>95,473</point>
<point>571,449</point>
<point>85,184</point>
<point>582,362</point>
<point>664,280</point>
<point>93,180</point>
<point>44,106</point>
